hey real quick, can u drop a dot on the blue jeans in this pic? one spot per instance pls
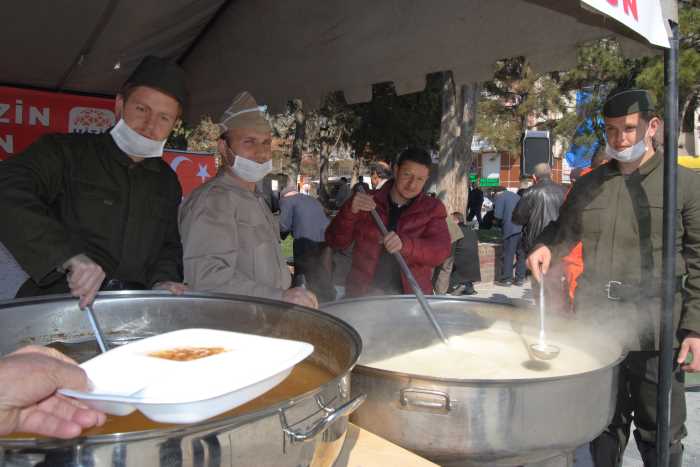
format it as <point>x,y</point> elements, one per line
<point>512,249</point>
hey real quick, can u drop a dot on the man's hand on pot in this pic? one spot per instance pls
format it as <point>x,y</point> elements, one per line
<point>84,278</point>
<point>300,296</point>
<point>176,288</point>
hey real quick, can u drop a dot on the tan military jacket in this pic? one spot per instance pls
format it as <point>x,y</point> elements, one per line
<point>231,241</point>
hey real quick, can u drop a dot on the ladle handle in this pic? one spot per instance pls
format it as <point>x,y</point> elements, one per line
<point>409,275</point>
<point>99,336</point>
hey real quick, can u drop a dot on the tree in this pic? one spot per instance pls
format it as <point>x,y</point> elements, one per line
<point>459,108</point>
<point>518,99</point>
<point>331,129</point>
<point>601,66</point>
<point>204,137</point>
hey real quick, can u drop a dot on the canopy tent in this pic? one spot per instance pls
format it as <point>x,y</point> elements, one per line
<point>303,49</point>
<point>280,50</point>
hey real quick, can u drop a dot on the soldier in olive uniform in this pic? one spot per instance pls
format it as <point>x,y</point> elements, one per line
<point>616,212</point>
<point>83,211</point>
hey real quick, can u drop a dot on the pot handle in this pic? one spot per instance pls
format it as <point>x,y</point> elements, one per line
<point>436,400</point>
<point>331,416</point>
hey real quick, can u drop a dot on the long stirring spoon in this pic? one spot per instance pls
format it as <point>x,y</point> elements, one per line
<point>410,278</point>
<point>101,342</point>
<point>542,350</point>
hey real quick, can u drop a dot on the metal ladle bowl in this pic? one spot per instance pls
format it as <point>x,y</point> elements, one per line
<point>544,351</point>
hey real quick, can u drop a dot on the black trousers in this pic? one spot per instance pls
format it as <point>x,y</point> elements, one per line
<point>636,401</point>
<point>303,247</point>
<point>511,251</point>
<point>474,213</point>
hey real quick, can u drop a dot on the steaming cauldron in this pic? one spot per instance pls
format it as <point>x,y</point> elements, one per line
<point>468,421</point>
<point>302,429</point>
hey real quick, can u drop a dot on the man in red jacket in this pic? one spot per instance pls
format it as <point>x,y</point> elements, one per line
<point>416,224</point>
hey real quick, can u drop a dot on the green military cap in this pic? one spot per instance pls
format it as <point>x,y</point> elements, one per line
<point>621,102</point>
<point>160,74</point>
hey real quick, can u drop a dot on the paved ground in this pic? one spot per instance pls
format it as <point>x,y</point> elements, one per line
<point>632,457</point>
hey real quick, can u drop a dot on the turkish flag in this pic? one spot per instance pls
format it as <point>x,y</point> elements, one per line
<point>192,168</point>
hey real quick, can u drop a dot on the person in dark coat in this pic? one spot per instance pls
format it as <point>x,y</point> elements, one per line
<point>474,203</point>
<point>466,268</point>
<point>617,214</point>
<point>503,211</point>
<point>416,225</point>
<point>83,212</point>
<point>539,205</point>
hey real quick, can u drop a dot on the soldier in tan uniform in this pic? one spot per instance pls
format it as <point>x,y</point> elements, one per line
<point>230,238</point>
<point>616,211</point>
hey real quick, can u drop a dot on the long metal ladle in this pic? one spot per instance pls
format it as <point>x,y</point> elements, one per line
<point>542,350</point>
<point>409,277</point>
<point>101,342</point>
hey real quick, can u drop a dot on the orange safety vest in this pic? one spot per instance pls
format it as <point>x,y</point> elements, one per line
<point>573,262</point>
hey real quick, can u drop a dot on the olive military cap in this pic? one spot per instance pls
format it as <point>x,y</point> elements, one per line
<point>621,102</point>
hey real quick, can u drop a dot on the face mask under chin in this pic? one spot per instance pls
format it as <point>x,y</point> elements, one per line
<point>629,154</point>
<point>250,171</point>
<point>134,144</point>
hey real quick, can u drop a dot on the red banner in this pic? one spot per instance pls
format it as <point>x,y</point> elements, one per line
<point>192,168</point>
<point>27,114</point>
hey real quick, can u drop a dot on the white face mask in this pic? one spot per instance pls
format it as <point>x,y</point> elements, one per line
<point>251,171</point>
<point>630,154</point>
<point>134,144</point>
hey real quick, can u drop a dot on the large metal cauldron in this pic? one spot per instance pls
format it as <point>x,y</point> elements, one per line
<point>306,430</point>
<point>467,421</point>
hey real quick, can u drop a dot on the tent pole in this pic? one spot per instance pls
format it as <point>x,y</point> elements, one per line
<point>663,402</point>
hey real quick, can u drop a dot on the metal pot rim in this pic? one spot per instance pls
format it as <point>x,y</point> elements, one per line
<point>484,382</point>
<point>182,430</point>
<point>197,427</point>
<point>467,382</point>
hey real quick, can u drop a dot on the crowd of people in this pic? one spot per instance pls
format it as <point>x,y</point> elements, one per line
<point>103,212</point>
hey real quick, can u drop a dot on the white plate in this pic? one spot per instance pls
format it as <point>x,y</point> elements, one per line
<point>126,378</point>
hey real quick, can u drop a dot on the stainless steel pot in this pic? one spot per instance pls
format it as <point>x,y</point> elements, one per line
<point>305,430</point>
<point>467,421</point>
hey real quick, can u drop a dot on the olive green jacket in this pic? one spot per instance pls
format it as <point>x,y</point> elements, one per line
<point>79,193</point>
<point>231,241</point>
<point>619,220</point>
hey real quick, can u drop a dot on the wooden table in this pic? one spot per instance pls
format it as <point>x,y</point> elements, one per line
<point>364,449</point>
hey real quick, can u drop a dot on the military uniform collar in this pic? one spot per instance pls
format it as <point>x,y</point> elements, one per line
<point>154,164</point>
<point>227,179</point>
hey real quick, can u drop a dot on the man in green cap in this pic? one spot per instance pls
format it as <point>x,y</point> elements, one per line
<point>84,212</point>
<point>616,211</point>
